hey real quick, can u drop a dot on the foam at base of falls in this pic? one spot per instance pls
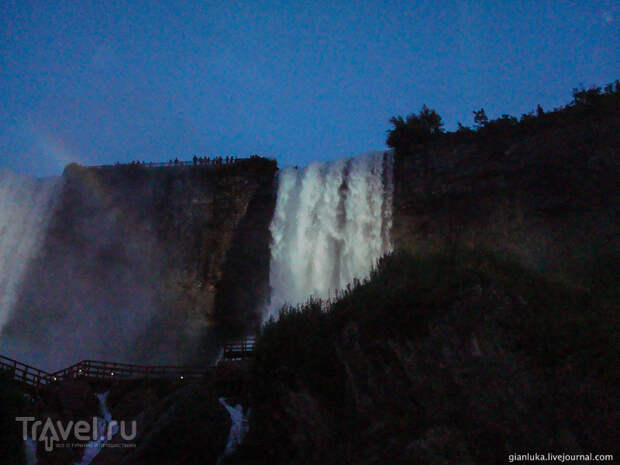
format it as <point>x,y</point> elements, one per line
<point>331,224</point>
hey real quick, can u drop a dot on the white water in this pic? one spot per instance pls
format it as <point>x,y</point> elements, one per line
<point>25,208</point>
<point>331,224</point>
<point>238,428</point>
<point>94,447</point>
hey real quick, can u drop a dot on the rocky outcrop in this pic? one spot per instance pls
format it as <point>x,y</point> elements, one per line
<point>176,421</point>
<point>137,259</point>
<point>187,425</point>
<point>65,404</point>
<point>545,196</point>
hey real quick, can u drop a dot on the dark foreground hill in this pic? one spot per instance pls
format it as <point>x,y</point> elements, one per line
<point>458,358</point>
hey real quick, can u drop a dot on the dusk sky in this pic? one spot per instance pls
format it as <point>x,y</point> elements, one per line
<point>106,81</point>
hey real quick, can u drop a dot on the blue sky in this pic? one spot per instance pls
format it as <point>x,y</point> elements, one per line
<point>106,81</point>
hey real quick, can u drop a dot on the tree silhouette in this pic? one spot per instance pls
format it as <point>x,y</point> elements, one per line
<point>480,118</point>
<point>416,129</point>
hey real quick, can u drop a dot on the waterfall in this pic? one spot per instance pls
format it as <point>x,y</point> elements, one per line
<point>25,207</point>
<point>331,224</point>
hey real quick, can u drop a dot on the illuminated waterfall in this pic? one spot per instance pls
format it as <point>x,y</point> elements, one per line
<point>331,224</point>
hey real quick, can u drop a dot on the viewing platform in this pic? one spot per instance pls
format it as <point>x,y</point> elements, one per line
<point>197,161</point>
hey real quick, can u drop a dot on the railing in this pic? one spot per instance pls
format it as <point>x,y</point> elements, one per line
<point>100,370</point>
<point>241,350</point>
<point>25,374</point>
<point>112,370</point>
<point>209,163</point>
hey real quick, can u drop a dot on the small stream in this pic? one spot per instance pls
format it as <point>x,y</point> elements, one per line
<point>94,447</point>
<point>238,428</point>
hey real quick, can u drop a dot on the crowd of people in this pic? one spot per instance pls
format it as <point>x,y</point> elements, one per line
<point>215,161</point>
<point>196,160</point>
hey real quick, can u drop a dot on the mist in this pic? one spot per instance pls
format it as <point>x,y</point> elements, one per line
<point>26,205</point>
<point>86,279</point>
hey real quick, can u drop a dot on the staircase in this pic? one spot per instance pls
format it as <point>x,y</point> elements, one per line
<point>239,351</point>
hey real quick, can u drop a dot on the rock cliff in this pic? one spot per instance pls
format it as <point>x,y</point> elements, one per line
<point>140,263</point>
<point>546,195</point>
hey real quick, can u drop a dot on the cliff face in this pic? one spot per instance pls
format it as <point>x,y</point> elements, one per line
<point>136,259</point>
<point>547,196</point>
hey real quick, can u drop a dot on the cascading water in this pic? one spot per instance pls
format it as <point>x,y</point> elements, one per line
<point>238,428</point>
<point>25,207</point>
<point>331,224</point>
<point>105,429</point>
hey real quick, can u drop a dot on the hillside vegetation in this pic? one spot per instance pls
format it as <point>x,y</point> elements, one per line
<point>409,133</point>
<point>452,358</point>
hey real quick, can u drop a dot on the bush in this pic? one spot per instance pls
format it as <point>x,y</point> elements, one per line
<point>298,350</point>
<point>404,294</point>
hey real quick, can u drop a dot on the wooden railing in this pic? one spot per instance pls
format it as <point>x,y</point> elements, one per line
<point>113,370</point>
<point>100,370</point>
<point>25,374</point>
<point>241,350</point>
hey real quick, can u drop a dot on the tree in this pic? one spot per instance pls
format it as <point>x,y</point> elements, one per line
<point>416,129</point>
<point>589,96</point>
<point>463,129</point>
<point>480,118</point>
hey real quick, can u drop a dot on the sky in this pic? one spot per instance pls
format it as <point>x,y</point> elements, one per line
<point>96,82</point>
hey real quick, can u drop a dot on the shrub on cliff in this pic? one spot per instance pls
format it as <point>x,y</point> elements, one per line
<point>301,361</point>
<point>404,294</point>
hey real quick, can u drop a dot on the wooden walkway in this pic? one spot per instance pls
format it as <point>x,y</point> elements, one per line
<point>234,355</point>
<point>26,375</point>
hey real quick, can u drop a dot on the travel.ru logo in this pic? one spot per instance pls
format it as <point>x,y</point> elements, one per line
<point>50,432</point>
